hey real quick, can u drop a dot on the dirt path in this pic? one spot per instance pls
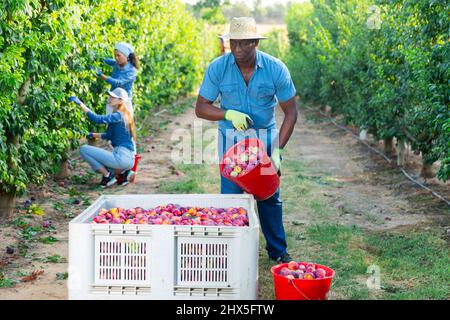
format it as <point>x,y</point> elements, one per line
<point>362,189</point>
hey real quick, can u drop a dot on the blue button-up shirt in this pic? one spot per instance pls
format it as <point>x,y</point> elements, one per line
<point>121,77</point>
<point>117,132</point>
<point>269,84</point>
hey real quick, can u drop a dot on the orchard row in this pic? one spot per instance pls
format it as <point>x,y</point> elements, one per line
<point>383,65</point>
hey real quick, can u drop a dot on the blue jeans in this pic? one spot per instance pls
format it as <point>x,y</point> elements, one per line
<point>270,211</point>
<point>121,157</point>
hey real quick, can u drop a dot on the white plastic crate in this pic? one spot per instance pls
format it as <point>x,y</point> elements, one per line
<point>115,261</point>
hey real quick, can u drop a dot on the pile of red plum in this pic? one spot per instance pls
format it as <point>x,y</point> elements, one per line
<point>244,160</point>
<point>301,270</point>
<point>173,214</point>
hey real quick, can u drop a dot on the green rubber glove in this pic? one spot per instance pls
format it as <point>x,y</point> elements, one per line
<point>240,120</point>
<point>276,158</point>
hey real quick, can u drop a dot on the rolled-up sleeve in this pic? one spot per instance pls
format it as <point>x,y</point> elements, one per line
<point>104,119</point>
<point>210,84</point>
<point>110,62</point>
<point>284,85</point>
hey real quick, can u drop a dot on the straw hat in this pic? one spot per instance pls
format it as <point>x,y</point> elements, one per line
<point>242,28</point>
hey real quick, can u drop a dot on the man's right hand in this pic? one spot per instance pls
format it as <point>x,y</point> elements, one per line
<point>240,120</point>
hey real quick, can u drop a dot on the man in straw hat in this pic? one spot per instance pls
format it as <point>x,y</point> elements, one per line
<point>251,83</point>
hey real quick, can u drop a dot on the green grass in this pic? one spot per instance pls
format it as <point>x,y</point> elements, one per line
<point>196,179</point>
<point>319,208</point>
<point>82,179</point>
<point>7,283</point>
<point>74,192</point>
<point>413,265</point>
<point>28,233</point>
<point>299,192</point>
<point>53,259</point>
<point>62,276</point>
<point>58,206</point>
<point>187,185</point>
<point>48,240</point>
<point>372,218</point>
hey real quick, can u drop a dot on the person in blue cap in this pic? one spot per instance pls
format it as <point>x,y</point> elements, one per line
<point>124,68</point>
<point>250,84</point>
<point>121,132</point>
<point>125,65</point>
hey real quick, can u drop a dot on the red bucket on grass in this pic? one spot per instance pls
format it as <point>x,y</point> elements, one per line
<point>262,181</point>
<point>301,289</point>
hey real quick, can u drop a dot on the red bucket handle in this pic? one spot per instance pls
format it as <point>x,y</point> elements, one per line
<point>291,282</point>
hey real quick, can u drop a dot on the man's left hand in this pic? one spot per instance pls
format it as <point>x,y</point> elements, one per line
<point>276,158</point>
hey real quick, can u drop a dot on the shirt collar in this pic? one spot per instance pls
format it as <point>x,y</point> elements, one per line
<point>258,59</point>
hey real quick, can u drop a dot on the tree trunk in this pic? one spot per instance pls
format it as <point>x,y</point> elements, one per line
<point>8,199</point>
<point>23,91</point>
<point>427,170</point>
<point>7,204</point>
<point>401,152</point>
<point>64,171</point>
<point>388,146</point>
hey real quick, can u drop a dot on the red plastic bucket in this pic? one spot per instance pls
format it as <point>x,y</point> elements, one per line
<point>137,157</point>
<point>263,181</point>
<point>301,289</point>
